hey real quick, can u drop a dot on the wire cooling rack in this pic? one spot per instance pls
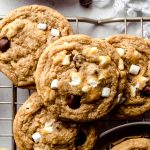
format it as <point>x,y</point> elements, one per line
<point>15,102</point>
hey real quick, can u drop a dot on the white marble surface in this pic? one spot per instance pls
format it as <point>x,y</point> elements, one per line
<point>66,7</point>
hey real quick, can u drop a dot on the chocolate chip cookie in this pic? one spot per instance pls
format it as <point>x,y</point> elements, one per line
<point>24,34</point>
<point>76,73</point>
<point>134,52</point>
<point>133,144</point>
<point>37,128</point>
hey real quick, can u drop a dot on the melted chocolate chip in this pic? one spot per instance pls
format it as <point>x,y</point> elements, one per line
<point>85,3</point>
<point>73,101</point>
<point>4,44</point>
<point>146,92</point>
<point>80,138</point>
<point>71,58</point>
<point>78,60</point>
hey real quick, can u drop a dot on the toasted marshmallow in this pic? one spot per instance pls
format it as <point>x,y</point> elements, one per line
<point>54,84</point>
<point>66,43</point>
<point>133,90</point>
<point>42,26</point>
<point>48,128</point>
<point>104,75</point>
<point>93,82</point>
<point>137,85</point>
<point>120,51</point>
<point>121,64</point>
<point>75,79</point>
<point>119,97</point>
<point>134,69</point>
<point>101,76</point>
<point>136,54</point>
<point>36,137</point>
<point>104,60</point>
<point>93,51</point>
<point>55,32</point>
<point>66,60</point>
<point>85,88</point>
<point>141,80</point>
<point>105,92</point>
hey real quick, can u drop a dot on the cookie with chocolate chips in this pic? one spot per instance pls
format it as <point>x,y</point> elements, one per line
<point>37,128</point>
<point>24,34</point>
<point>76,73</point>
<point>134,52</point>
<point>133,144</point>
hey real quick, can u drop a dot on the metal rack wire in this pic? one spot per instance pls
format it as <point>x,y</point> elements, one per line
<point>77,20</point>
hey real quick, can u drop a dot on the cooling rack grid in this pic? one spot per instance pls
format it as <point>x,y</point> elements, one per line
<point>14,100</point>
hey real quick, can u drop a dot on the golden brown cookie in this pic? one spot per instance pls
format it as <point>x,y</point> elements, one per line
<point>36,128</point>
<point>76,73</point>
<point>133,144</point>
<point>24,34</point>
<point>134,52</point>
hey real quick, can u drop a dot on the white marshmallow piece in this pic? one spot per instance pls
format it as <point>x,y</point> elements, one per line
<point>121,64</point>
<point>137,85</point>
<point>105,92</point>
<point>93,50</point>
<point>104,75</point>
<point>36,137</point>
<point>42,26</point>
<point>120,51</point>
<point>133,89</point>
<point>93,82</point>
<point>66,60</point>
<point>85,88</point>
<point>142,81</point>
<point>104,60</point>
<point>75,79</point>
<point>48,128</point>
<point>66,43</point>
<point>54,84</point>
<point>55,32</point>
<point>134,69</point>
<point>119,97</point>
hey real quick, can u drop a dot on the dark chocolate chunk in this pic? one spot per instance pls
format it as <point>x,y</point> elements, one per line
<point>73,101</point>
<point>85,3</point>
<point>146,91</point>
<point>4,44</point>
<point>80,138</point>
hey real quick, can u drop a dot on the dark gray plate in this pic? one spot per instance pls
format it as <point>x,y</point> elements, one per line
<point>129,130</point>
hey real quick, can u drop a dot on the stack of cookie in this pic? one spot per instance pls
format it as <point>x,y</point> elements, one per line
<point>78,78</point>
